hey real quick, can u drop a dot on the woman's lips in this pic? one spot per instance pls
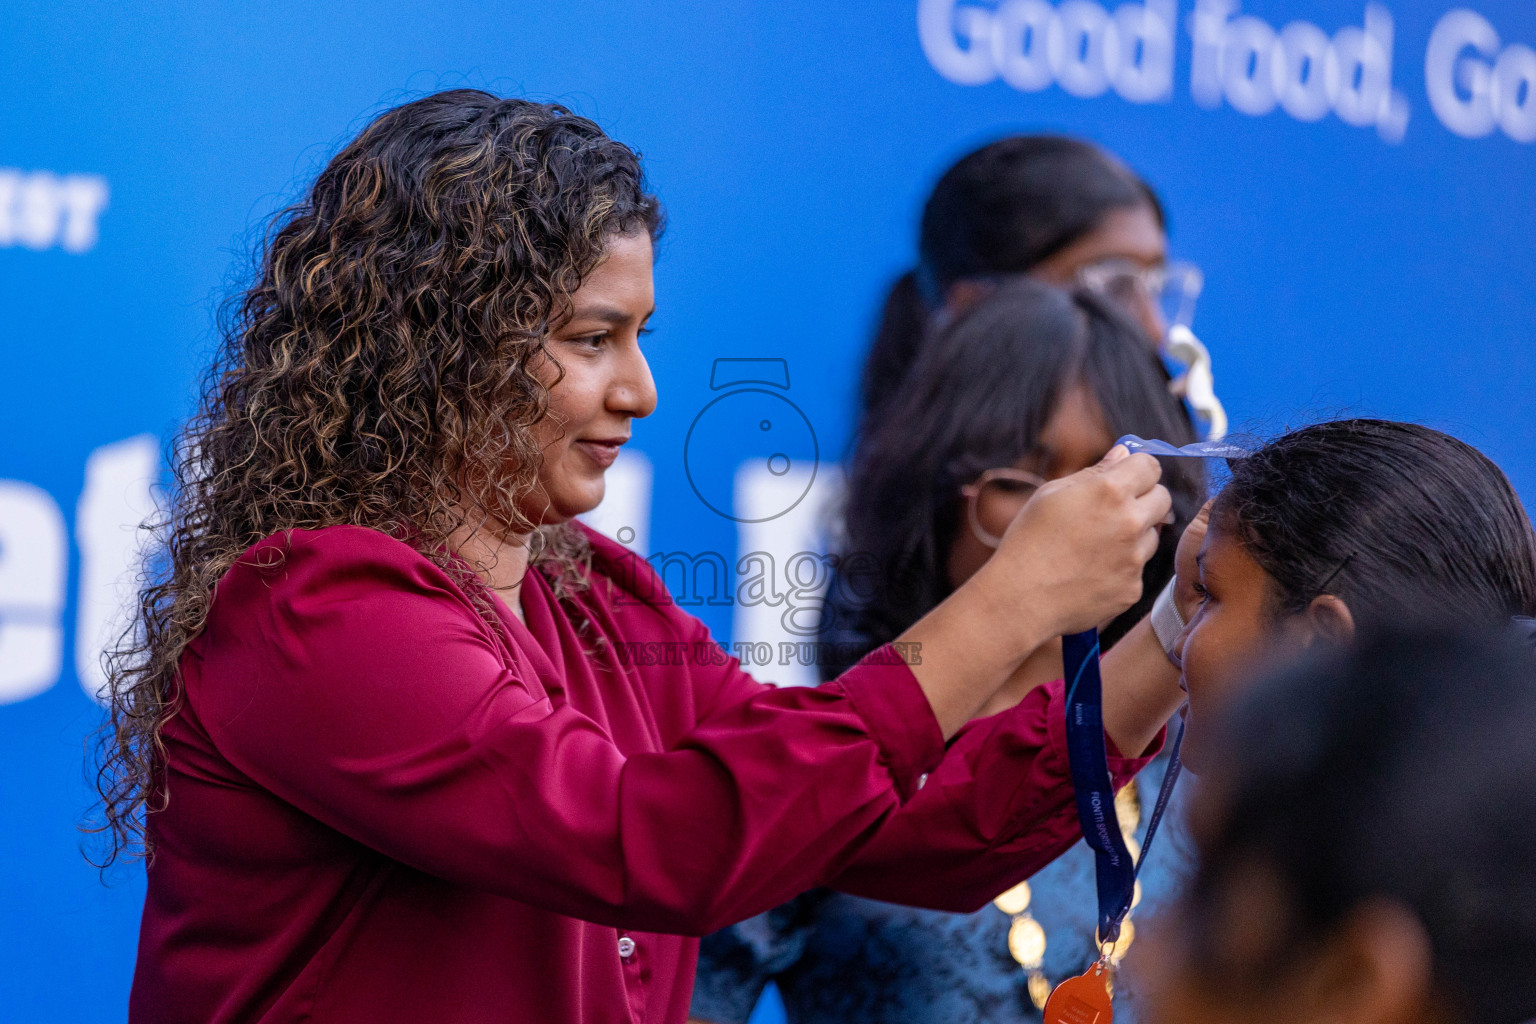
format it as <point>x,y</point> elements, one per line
<point>601,452</point>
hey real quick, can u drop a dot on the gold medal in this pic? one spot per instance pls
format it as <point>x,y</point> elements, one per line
<point>1015,900</point>
<point>1026,941</point>
<point>1082,1000</point>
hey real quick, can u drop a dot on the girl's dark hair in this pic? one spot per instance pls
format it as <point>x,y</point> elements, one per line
<point>378,372</point>
<point>1000,210</point>
<point>1397,519</point>
<point>979,397</point>
<point>1402,768</point>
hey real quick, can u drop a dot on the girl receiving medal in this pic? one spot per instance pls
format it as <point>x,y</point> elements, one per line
<point>1338,530</point>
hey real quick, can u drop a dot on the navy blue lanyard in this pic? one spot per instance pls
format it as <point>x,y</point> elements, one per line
<point>1089,759</point>
<point>1525,629</point>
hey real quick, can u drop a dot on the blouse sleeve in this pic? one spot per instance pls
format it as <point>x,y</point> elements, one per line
<point>355,683</point>
<point>999,808</point>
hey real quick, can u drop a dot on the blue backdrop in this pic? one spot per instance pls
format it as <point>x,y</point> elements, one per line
<point>1357,181</point>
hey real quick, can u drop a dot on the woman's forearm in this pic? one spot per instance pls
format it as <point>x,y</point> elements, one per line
<point>998,808</point>
<point>963,657</point>
<point>1141,689</point>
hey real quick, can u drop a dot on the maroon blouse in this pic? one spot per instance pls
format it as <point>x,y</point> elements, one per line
<point>385,809</point>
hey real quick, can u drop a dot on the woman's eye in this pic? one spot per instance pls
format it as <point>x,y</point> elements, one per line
<point>1200,591</point>
<point>592,341</point>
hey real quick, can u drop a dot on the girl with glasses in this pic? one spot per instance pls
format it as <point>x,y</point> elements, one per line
<point>1058,209</point>
<point>1029,385</point>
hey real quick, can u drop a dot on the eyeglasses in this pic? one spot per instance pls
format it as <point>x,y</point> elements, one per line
<point>995,498</point>
<point>1170,288</point>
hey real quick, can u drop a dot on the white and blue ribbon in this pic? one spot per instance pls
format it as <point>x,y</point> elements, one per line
<point>1198,450</point>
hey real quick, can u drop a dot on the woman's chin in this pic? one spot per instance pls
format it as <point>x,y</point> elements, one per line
<point>549,506</point>
<point>576,502</point>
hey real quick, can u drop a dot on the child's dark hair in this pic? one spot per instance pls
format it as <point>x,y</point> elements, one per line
<point>1400,768</point>
<point>979,397</point>
<point>1398,520</point>
<point>999,210</point>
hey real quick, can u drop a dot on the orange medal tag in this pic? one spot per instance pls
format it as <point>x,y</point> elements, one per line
<point>1081,1000</point>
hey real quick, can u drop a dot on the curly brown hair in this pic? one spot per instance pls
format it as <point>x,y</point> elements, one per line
<point>378,374</point>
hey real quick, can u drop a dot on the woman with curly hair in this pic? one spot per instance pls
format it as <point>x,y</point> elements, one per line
<point>379,729</point>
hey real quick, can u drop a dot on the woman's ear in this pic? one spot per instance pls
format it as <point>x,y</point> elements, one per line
<point>1329,618</point>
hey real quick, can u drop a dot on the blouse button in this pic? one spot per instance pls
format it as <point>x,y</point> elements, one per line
<point>626,947</point>
<point>922,780</point>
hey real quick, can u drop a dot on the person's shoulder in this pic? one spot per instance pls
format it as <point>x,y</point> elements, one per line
<point>341,543</point>
<point>337,559</point>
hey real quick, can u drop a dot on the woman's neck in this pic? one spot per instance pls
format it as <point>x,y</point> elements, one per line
<point>500,560</point>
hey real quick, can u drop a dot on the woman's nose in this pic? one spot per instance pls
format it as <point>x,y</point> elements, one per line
<point>634,389</point>
<point>1150,316</point>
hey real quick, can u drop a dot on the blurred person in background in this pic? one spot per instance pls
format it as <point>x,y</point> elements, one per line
<point>1030,384</point>
<point>1365,826</point>
<point>1054,209</point>
<point>1058,209</point>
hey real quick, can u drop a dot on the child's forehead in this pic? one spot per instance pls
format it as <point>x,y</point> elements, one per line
<point>1223,554</point>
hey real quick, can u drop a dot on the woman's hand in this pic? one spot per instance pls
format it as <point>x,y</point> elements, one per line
<point>1072,559</point>
<point>1077,549</point>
